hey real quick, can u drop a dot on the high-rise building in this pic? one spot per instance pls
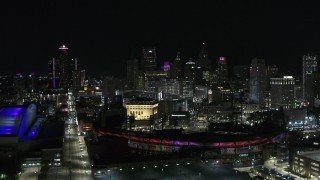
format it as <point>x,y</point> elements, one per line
<point>65,72</point>
<point>77,82</point>
<point>222,71</point>
<point>31,82</point>
<point>169,86</point>
<point>193,72</point>
<point>76,79</point>
<point>316,89</point>
<point>282,92</point>
<point>189,70</point>
<point>241,77</point>
<point>66,67</point>
<point>177,67</point>
<point>203,60</point>
<point>309,66</point>
<point>132,73</point>
<point>141,82</point>
<point>149,59</point>
<point>271,72</point>
<point>186,88</point>
<point>82,77</point>
<point>19,82</point>
<point>257,82</point>
<point>54,73</point>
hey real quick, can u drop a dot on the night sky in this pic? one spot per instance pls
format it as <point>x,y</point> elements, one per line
<point>105,35</point>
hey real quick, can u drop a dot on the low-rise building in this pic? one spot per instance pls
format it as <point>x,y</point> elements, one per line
<point>142,108</point>
<point>307,164</point>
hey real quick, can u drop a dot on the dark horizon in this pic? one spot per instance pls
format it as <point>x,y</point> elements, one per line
<point>103,36</point>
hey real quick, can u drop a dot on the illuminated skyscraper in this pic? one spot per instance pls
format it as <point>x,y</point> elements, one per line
<point>282,92</point>
<point>222,71</point>
<point>271,72</point>
<point>54,73</point>
<point>309,66</point>
<point>257,82</point>
<point>66,67</point>
<point>149,59</point>
<point>64,72</point>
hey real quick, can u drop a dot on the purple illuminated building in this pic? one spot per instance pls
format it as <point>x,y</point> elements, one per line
<point>15,121</point>
<point>166,66</point>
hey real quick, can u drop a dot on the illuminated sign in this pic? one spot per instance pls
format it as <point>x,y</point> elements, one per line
<point>221,58</point>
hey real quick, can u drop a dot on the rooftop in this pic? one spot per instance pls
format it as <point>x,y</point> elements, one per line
<point>142,101</point>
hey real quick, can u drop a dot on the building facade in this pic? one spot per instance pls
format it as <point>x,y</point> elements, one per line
<point>309,66</point>
<point>282,92</point>
<point>307,164</point>
<point>149,59</point>
<point>142,109</point>
<point>257,82</point>
<point>132,73</point>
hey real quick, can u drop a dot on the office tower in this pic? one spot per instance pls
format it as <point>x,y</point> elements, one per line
<point>193,72</point>
<point>65,72</point>
<point>77,82</point>
<point>111,86</point>
<point>316,89</point>
<point>222,71</point>
<point>257,82</point>
<point>82,77</point>
<point>177,67</point>
<point>132,73</point>
<point>282,92</point>
<point>271,72</point>
<point>189,70</point>
<point>309,66</point>
<point>76,79</point>
<point>241,77</point>
<point>186,88</point>
<point>31,82</point>
<point>54,73</point>
<point>141,81</point>
<point>170,86</point>
<point>66,67</point>
<point>149,59</point>
<point>200,93</point>
<point>203,60</point>
<point>19,82</point>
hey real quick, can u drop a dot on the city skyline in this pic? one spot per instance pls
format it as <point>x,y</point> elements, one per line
<point>105,36</point>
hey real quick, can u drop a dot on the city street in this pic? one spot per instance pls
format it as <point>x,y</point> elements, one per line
<point>75,151</point>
